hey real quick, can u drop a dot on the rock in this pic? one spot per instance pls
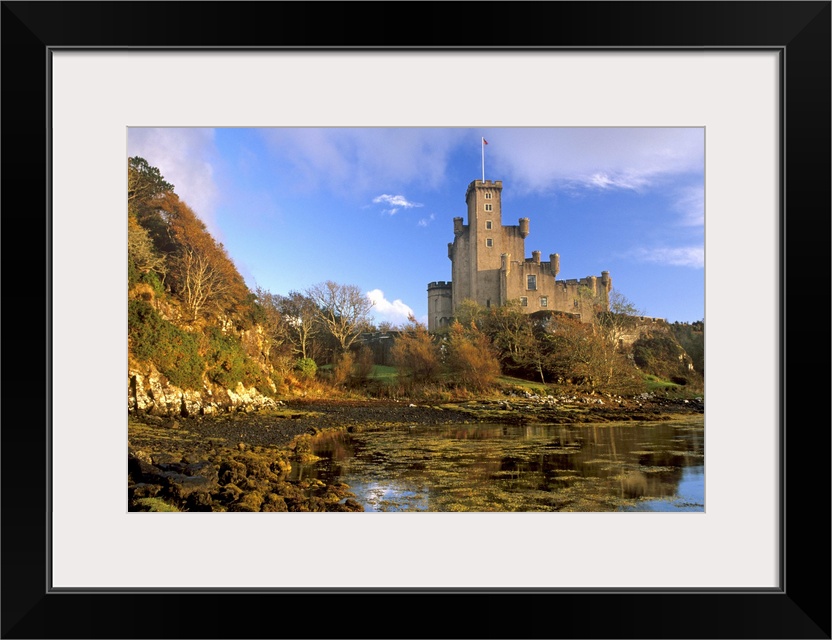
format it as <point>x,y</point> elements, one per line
<point>144,490</point>
<point>351,505</point>
<point>181,486</point>
<point>232,472</point>
<point>150,394</point>
<point>164,458</point>
<point>230,493</point>
<point>199,502</point>
<point>248,502</point>
<point>202,468</point>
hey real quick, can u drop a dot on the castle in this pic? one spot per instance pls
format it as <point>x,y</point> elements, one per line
<point>488,266</point>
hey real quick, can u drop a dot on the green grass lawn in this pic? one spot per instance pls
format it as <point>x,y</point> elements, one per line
<point>657,384</point>
<point>383,372</point>
<point>523,385</point>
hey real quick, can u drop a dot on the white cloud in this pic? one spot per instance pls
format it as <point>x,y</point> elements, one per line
<point>423,222</point>
<point>540,160</point>
<point>606,181</point>
<point>690,202</point>
<point>184,158</point>
<point>396,203</point>
<point>395,312</point>
<point>357,160</point>
<point>673,256</point>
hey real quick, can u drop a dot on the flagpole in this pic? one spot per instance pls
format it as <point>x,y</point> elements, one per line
<point>483,159</point>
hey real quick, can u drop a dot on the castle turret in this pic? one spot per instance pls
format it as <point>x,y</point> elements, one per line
<point>440,305</point>
<point>554,260</point>
<point>524,227</point>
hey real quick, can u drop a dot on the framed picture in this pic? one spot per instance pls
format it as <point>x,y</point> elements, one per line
<point>755,75</point>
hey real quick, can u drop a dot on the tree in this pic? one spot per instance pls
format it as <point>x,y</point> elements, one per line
<point>203,275</point>
<point>343,309</point>
<point>574,351</point>
<point>200,282</point>
<point>264,311</point>
<point>579,353</point>
<point>415,352</point>
<point>140,249</point>
<point>471,357</point>
<point>692,338</point>
<point>510,331</point>
<point>469,312</point>
<point>145,189</point>
<point>144,183</point>
<point>299,313</point>
<point>621,319</point>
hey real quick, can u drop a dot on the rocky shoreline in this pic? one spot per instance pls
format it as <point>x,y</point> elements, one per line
<point>242,461</point>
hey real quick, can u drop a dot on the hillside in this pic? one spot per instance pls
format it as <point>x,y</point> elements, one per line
<point>199,341</point>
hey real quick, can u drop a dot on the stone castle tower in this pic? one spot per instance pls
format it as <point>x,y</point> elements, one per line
<point>488,265</point>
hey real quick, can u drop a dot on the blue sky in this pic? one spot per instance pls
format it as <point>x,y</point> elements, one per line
<point>374,207</point>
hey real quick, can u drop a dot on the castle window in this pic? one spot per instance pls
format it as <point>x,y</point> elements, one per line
<point>488,195</point>
<point>544,301</point>
<point>531,283</point>
<point>488,225</point>
<point>488,207</point>
<point>524,301</point>
<point>576,302</point>
<point>489,242</point>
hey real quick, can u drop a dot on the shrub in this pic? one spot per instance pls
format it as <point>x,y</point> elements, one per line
<point>306,368</point>
<point>471,357</point>
<point>228,363</point>
<point>226,360</point>
<point>154,504</point>
<point>416,354</point>
<point>363,363</point>
<point>152,279</point>
<point>342,369</point>
<point>659,354</point>
<point>174,351</point>
<point>132,273</point>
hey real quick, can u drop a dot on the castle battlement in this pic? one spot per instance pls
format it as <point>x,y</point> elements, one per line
<point>495,184</point>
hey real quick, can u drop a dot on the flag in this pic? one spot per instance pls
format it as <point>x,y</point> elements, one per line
<point>484,141</point>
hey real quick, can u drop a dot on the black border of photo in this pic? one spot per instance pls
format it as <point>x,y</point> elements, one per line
<point>799,31</point>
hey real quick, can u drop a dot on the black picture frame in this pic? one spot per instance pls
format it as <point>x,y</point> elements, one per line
<point>800,608</point>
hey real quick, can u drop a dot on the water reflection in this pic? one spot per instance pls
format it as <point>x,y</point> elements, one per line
<point>605,467</point>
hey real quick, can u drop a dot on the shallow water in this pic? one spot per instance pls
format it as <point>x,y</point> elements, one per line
<point>494,467</point>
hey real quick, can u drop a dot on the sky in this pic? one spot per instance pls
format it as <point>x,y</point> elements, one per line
<point>374,207</point>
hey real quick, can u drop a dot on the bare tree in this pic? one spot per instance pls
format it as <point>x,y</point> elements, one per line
<point>202,283</point>
<point>299,314</point>
<point>343,309</point>
<point>621,319</point>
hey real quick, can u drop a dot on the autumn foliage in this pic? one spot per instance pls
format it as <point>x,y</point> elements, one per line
<point>471,357</point>
<point>416,354</point>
